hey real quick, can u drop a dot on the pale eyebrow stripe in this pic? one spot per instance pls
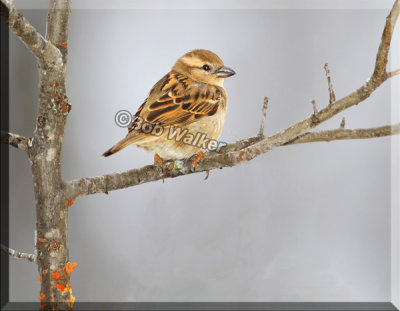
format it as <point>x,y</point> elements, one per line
<point>192,62</point>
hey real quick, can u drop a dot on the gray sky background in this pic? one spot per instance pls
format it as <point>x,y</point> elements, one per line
<point>301,223</point>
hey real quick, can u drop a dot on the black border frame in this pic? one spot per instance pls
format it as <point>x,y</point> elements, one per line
<point>5,303</point>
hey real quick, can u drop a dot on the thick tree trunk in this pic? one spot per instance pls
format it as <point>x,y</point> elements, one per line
<point>51,201</point>
<point>44,150</point>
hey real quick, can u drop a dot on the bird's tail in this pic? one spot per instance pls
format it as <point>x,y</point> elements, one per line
<point>118,146</point>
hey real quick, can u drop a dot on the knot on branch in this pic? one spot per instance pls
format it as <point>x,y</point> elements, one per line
<point>314,119</point>
<point>243,156</point>
<point>41,121</point>
<point>54,245</point>
<point>59,102</point>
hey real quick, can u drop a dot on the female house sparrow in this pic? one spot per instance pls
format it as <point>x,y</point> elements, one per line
<point>184,112</point>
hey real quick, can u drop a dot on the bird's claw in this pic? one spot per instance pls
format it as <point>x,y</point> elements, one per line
<point>196,160</point>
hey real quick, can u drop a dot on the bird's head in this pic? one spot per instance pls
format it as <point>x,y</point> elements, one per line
<point>203,66</point>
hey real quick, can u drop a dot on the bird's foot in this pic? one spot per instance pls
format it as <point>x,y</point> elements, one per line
<point>196,160</point>
<point>158,160</point>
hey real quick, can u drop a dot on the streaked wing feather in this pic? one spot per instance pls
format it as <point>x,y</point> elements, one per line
<point>182,102</point>
<point>177,100</point>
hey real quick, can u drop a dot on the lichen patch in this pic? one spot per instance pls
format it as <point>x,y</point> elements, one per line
<point>51,154</point>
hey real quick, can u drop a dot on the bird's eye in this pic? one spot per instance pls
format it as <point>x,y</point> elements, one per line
<point>206,67</point>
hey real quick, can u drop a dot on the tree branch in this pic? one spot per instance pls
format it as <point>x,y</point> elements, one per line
<point>393,73</point>
<point>343,123</point>
<point>46,53</point>
<point>13,253</point>
<point>248,149</point>
<point>14,140</point>
<point>57,25</point>
<point>264,115</point>
<point>102,184</point>
<point>341,134</point>
<point>383,51</point>
<point>332,97</point>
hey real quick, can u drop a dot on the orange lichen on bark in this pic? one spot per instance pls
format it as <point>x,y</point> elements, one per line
<point>39,278</point>
<point>60,287</point>
<point>70,202</point>
<point>72,296</point>
<point>56,275</point>
<point>42,296</point>
<point>64,289</point>
<point>69,267</point>
<point>64,44</point>
<point>42,240</point>
<point>62,134</point>
<point>42,305</point>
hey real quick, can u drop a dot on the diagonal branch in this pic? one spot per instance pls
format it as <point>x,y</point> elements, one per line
<point>14,253</point>
<point>248,149</point>
<point>383,51</point>
<point>46,53</point>
<point>103,184</point>
<point>14,140</point>
<point>341,134</point>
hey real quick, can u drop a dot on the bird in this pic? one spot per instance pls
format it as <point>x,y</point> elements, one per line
<point>184,112</point>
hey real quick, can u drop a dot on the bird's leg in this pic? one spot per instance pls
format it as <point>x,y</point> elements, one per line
<point>196,160</point>
<point>158,160</point>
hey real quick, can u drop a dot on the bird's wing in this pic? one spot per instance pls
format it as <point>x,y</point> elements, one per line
<point>177,100</point>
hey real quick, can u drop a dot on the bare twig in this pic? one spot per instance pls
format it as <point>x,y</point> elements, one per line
<point>264,111</point>
<point>332,97</point>
<point>46,53</point>
<point>314,105</point>
<point>14,140</point>
<point>14,253</point>
<point>343,123</point>
<point>393,73</point>
<point>314,118</point>
<point>383,50</point>
<point>57,25</point>
<point>341,134</point>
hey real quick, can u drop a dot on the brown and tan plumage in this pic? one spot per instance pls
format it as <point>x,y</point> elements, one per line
<point>191,98</point>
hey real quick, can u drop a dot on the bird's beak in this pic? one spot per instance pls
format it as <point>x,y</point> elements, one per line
<point>225,72</point>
